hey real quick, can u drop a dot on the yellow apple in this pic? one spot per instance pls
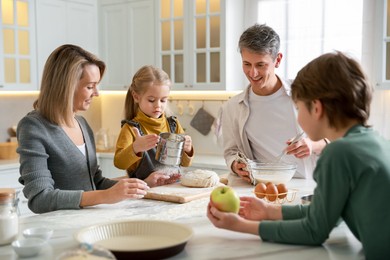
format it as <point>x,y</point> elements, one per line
<point>225,199</point>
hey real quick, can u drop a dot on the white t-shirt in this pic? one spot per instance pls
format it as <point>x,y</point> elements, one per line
<point>82,148</point>
<point>271,124</point>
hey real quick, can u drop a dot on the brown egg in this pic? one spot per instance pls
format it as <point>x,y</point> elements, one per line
<point>272,192</point>
<point>282,189</point>
<point>260,190</point>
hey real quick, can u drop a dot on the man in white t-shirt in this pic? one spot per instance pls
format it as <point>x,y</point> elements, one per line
<point>260,121</point>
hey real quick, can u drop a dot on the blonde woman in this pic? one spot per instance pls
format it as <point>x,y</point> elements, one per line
<point>145,118</point>
<point>58,164</point>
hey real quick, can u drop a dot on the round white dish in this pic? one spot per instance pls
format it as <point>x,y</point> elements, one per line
<point>140,239</point>
<point>28,247</point>
<point>38,232</point>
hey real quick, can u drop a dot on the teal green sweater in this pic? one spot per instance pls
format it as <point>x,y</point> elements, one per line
<point>353,182</point>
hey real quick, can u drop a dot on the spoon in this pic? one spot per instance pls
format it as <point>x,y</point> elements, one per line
<point>296,139</point>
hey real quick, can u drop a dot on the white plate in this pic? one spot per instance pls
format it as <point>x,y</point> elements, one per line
<point>139,239</point>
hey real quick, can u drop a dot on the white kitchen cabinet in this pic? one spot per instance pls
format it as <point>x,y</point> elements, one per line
<point>127,40</point>
<point>9,174</point>
<point>106,163</point>
<point>62,21</point>
<point>9,178</point>
<point>17,45</point>
<point>197,43</point>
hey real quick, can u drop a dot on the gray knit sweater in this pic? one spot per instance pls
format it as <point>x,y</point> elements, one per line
<point>53,170</point>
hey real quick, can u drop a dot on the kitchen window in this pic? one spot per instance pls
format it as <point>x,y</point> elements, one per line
<point>17,45</point>
<point>383,44</point>
<point>309,28</point>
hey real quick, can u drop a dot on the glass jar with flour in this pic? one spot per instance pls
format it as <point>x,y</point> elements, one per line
<point>9,220</point>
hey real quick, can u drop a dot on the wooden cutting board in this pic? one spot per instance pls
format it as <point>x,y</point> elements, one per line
<point>178,193</point>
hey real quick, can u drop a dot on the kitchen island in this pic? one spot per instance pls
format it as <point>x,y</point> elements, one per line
<point>208,242</point>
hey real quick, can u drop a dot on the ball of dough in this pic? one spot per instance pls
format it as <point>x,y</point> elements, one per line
<point>200,179</point>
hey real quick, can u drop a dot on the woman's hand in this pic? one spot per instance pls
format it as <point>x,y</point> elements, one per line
<point>145,142</point>
<point>157,179</point>
<point>237,167</point>
<point>125,188</point>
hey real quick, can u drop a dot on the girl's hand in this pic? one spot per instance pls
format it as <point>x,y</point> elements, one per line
<point>188,145</point>
<point>172,178</point>
<point>144,143</point>
<point>126,188</point>
<point>157,179</point>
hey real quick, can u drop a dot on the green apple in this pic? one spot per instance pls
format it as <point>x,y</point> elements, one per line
<point>225,199</point>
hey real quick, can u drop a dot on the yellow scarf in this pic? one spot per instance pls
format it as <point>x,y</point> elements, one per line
<point>151,125</point>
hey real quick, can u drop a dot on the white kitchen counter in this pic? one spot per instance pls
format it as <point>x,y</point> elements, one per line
<point>9,164</point>
<point>200,160</point>
<point>203,161</point>
<point>208,242</point>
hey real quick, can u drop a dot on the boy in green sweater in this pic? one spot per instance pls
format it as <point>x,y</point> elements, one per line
<point>333,98</point>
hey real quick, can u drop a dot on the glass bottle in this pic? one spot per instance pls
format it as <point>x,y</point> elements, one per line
<point>102,141</point>
<point>9,220</point>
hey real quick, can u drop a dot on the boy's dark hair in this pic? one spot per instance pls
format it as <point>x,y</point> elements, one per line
<point>339,82</point>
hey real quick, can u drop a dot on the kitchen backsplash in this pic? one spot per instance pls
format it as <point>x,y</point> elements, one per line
<point>14,107</point>
<point>106,112</point>
<point>185,110</point>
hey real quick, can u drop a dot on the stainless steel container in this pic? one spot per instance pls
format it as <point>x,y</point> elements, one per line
<point>170,148</point>
<point>306,199</point>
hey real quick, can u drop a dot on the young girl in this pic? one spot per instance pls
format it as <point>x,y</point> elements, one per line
<point>145,119</point>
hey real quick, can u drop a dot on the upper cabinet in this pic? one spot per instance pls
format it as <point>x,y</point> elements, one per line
<point>60,22</point>
<point>197,43</point>
<point>17,45</point>
<point>127,39</point>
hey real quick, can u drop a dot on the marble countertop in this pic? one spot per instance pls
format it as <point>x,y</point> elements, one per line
<point>208,242</point>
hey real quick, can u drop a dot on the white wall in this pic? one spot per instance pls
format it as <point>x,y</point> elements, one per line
<point>380,109</point>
